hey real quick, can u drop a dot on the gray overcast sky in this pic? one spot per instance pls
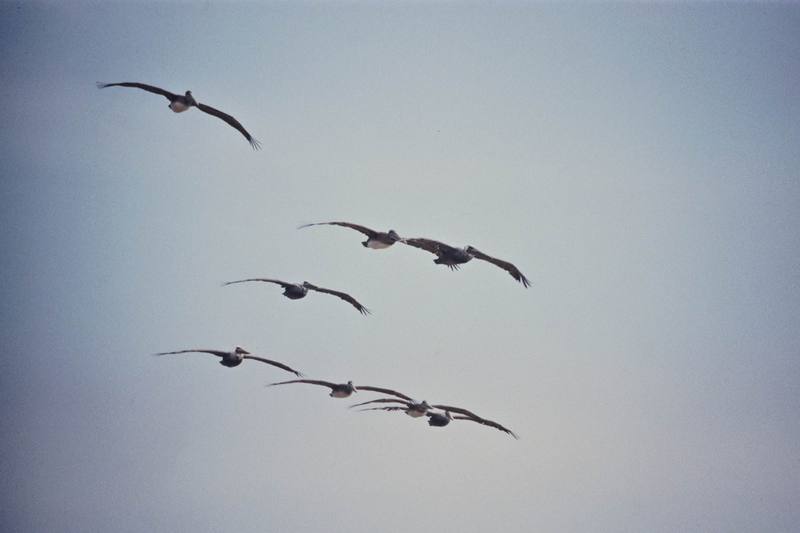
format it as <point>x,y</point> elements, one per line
<point>639,163</point>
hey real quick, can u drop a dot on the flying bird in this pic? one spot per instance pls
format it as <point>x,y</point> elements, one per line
<point>453,257</point>
<point>375,239</point>
<point>235,358</point>
<point>182,102</point>
<point>411,408</point>
<point>419,409</point>
<point>295,291</point>
<point>338,390</point>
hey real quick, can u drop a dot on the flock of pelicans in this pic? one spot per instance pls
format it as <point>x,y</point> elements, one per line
<point>438,415</point>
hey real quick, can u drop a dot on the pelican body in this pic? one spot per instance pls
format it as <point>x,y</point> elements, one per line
<point>295,291</point>
<point>380,240</point>
<point>180,103</point>
<point>234,358</point>
<point>453,257</point>
<point>343,390</point>
<point>417,410</point>
<point>439,420</point>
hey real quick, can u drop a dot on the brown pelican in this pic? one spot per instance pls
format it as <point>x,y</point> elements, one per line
<point>411,408</point>
<point>418,409</point>
<point>235,358</point>
<point>295,291</point>
<point>338,390</point>
<point>180,103</point>
<point>375,239</point>
<point>453,257</point>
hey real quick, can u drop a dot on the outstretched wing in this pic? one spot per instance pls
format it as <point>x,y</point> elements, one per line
<point>429,245</point>
<point>366,231</point>
<point>389,408</point>
<point>310,381</point>
<point>218,353</point>
<point>455,410</point>
<point>384,391</point>
<point>343,295</point>
<point>279,282</point>
<point>407,403</point>
<point>486,422</point>
<point>231,121</point>
<point>505,265</point>
<point>275,363</point>
<point>149,88</point>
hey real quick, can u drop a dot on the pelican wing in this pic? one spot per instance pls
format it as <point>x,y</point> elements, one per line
<point>218,353</point>
<point>310,381</point>
<point>489,423</point>
<point>455,410</point>
<point>366,231</point>
<point>388,408</point>
<point>149,88</point>
<point>384,391</point>
<point>274,363</point>
<point>231,121</point>
<point>343,295</point>
<point>407,403</point>
<point>505,265</point>
<point>429,245</point>
<point>283,284</point>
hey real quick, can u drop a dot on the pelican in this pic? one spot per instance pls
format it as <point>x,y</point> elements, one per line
<point>376,240</point>
<point>338,390</point>
<point>411,408</point>
<point>235,358</point>
<point>418,409</point>
<point>453,257</point>
<point>179,103</point>
<point>295,291</point>
<point>439,420</point>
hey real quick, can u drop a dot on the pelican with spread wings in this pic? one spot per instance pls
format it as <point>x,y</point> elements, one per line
<point>179,103</point>
<point>295,291</point>
<point>416,409</point>
<point>376,240</point>
<point>453,257</point>
<point>338,390</point>
<point>235,358</point>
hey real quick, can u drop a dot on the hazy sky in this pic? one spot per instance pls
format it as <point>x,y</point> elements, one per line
<point>639,163</point>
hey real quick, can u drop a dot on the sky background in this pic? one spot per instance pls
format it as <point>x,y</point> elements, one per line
<point>639,163</point>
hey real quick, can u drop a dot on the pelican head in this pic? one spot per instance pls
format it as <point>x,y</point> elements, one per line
<point>393,235</point>
<point>350,384</point>
<point>424,404</point>
<point>240,350</point>
<point>470,250</point>
<point>190,98</point>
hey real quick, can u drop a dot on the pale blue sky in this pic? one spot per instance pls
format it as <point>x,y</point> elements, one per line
<point>639,163</point>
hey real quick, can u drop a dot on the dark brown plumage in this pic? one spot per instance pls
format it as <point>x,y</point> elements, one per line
<point>179,103</point>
